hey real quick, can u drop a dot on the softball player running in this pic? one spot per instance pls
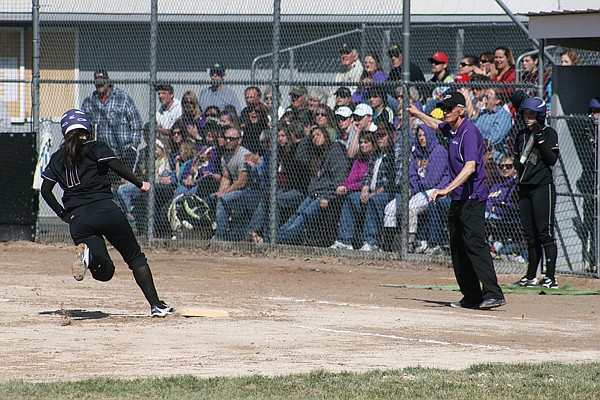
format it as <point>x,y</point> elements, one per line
<point>537,194</point>
<point>80,167</point>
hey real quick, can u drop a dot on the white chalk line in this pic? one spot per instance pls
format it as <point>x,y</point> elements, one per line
<point>330,303</point>
<point>395,337</point>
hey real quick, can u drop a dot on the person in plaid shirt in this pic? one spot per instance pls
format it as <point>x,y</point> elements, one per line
<point>115,118</point>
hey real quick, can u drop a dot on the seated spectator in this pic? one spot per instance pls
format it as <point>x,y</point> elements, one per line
<point>414,99</point>
<point>569,58</point>
<point>345,126</point>
<point>476,95</point>
<point>467,66</point>
<point>254,121</point>
<point>291,186</point>
<point>268,102</point>
<point>372,73</point>
<point>491,168</point>
<point>437,95</point>
<point>298,108</point>
<point>178,135</point>
<point>328,166</point>
<point>184,163</point>
<point>362,121</point>
<point>395,55</point>
<point>352,67</point>
<point>324,119</point>
<point>212,113</point>
<point>382,114</point>
<point>376,188</point>
<point>494,122</point>
<point>504,61</point>
<point>192,116</point>
<point>169,110</point>
<point>486,65</point>
<point>439,68</point>
<point>227,119</point>
<point>343,98</point>
<point>428,171</point>
<point>316,96</point>
<point>230,197</point>
<point>503,222</point>
<point>209,160</point>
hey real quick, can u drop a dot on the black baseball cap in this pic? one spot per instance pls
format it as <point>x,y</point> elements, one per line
<point>452,99</point>
<point>343,92</point>
<point>100,76</point>
<point>217,69</point>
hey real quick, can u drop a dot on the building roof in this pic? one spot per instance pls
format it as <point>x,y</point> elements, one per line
<point>382,11</point>
<point>567,28</point>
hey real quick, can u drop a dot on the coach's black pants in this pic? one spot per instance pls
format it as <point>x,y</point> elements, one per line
<point>91,223</point>
<point>537,204</point>
<point>471,258</point>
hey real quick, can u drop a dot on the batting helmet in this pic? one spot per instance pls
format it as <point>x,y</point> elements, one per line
<point>594,103</point>
<point>75,119</point>
<point>537,105</point>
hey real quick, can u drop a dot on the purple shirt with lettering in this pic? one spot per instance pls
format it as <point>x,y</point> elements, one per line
<point>466,144</point>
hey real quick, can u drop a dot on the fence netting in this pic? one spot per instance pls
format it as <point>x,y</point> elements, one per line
<point>322,157</point>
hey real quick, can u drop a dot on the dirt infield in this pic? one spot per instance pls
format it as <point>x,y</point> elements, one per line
<point>287,315</point>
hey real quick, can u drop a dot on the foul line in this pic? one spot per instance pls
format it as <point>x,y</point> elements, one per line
<point>395,337</point>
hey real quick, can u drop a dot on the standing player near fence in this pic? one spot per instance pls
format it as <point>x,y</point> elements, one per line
<point>537,193</point>
<point>471,257</point>
<point>80,167</point>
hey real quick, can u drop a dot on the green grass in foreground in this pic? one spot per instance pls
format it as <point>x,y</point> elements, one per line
<point>488,381</point>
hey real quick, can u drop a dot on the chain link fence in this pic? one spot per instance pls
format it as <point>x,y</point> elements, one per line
<point>193,88</point>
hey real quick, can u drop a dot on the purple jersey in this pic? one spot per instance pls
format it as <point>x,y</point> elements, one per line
<point>466,144</point>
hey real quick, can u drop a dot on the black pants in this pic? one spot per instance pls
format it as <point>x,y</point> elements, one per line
<point>537,204</point>
<point>471,258</point>
<point>91,223</point>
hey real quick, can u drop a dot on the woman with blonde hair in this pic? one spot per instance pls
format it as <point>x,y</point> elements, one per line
<point>192,116</point>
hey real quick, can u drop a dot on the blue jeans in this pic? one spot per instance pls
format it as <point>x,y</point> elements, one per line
<point>125,195</point>
<point>308,212</point>
<point>286,199</point>
<point>435,221</point>
<point>234,211</point>
<point>353,209</point>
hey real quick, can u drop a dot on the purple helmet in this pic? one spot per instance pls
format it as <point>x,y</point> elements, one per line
<point>535,104</point>
<point>594,103</point>
<point>75,119</point>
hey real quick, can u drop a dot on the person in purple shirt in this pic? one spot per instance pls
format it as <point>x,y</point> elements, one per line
<point>471,258</point>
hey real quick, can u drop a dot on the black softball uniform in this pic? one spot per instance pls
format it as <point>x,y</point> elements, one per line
<point>89,207</point>
<point>537,197</point>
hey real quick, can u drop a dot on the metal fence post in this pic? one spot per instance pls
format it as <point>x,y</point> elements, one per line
<point>403,206</point>
<point>152,113</point>
<point>273,223</point>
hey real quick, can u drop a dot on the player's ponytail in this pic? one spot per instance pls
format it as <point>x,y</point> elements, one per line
<point>71,149</point>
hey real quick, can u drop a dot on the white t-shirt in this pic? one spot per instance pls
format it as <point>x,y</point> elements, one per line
<point>166,118</point>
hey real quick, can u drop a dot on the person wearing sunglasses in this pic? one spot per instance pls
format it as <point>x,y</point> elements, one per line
<point>439,68</point>
<point>362,121</point>
<point>106,105</point>
<point>192,116</point>
<point>471,257</point>
<point>467,65</point>
<point>537,192</point>
<point>502,212</point>
<point>217,94</point>
<point>345,127</point>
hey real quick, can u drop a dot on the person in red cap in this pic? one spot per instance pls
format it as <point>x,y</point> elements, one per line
<point>439,68</point>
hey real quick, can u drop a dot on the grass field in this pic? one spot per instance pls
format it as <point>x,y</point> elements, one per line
<point>489,381</point>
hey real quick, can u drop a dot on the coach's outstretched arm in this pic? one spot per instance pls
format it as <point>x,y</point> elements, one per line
<point>428,120</point>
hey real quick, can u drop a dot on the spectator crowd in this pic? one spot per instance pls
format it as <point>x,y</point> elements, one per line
<point>339,153</point>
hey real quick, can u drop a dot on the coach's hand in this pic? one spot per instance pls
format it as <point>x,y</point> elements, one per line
<point>437,194</point>
<point>145,187</point>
